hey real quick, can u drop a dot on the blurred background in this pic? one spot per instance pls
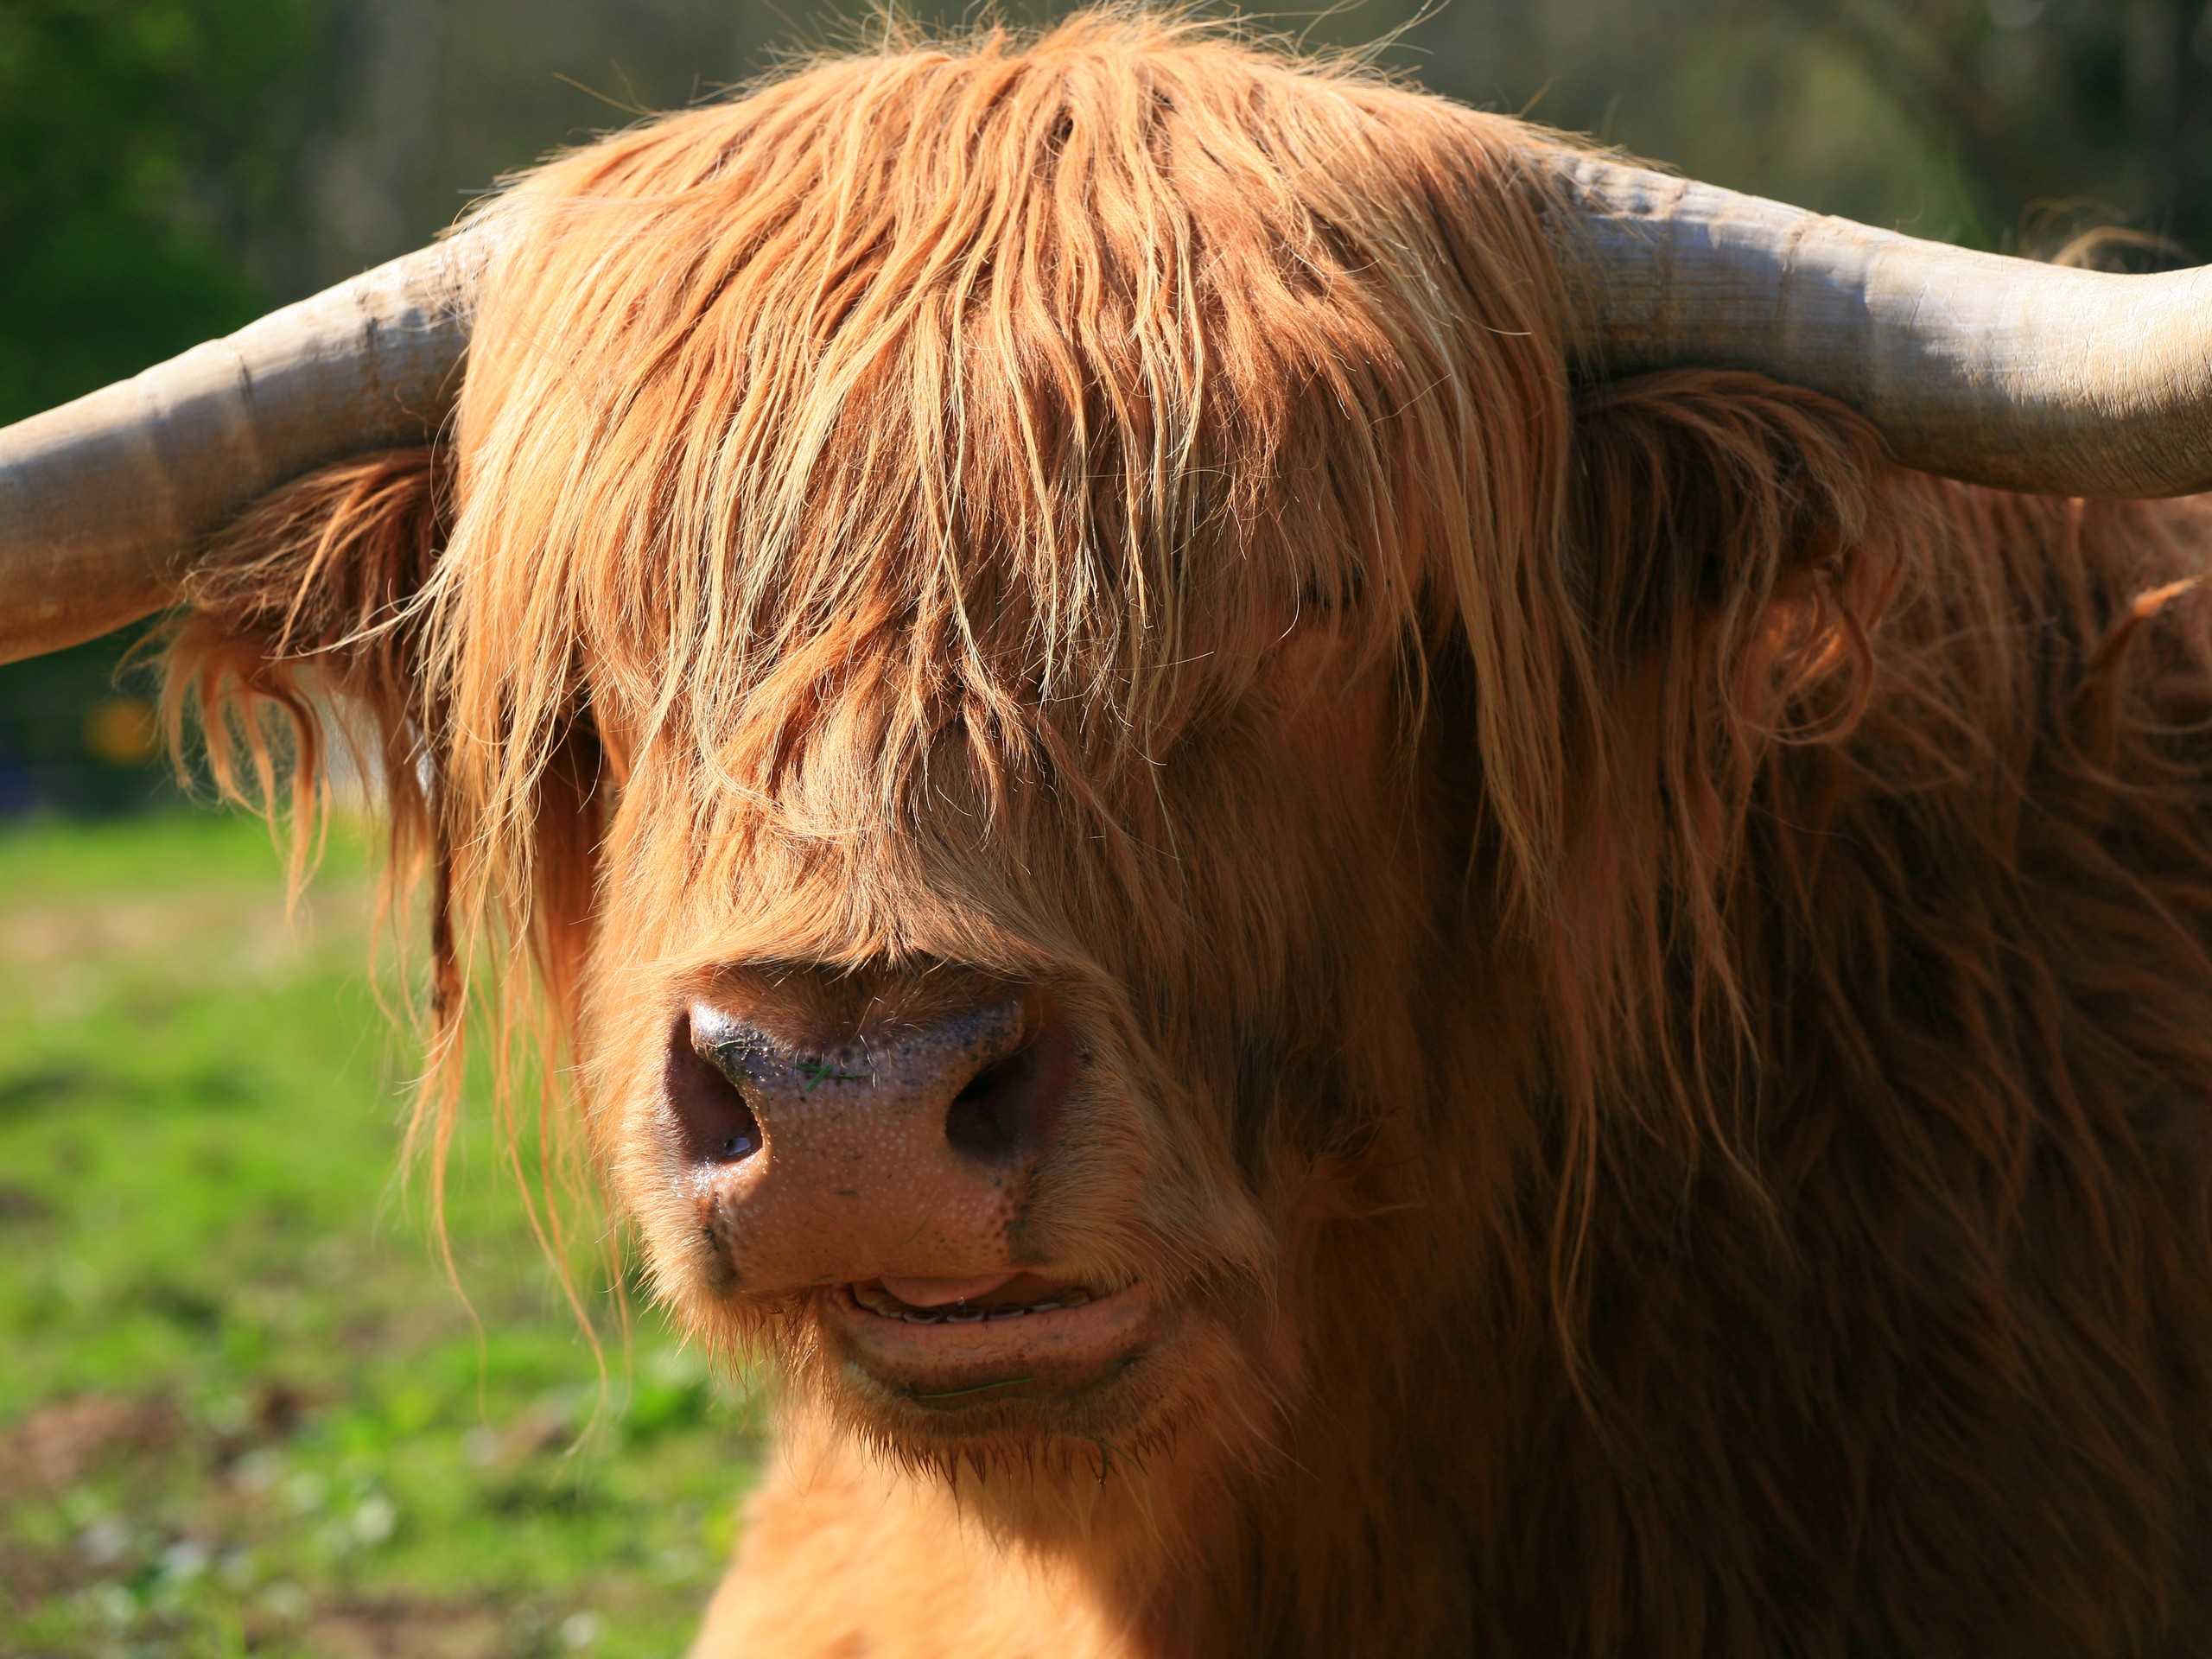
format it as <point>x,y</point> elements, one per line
<point>171,169</point>
<point>242,1407</point>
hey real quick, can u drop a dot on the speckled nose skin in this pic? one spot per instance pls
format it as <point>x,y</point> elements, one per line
<point>900,1152</point>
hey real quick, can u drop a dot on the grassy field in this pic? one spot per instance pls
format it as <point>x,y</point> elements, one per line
<point>242,1410</point>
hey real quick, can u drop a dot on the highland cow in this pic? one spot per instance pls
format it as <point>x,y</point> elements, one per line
<point>1376,887</point>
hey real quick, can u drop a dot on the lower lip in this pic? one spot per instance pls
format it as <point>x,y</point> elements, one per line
<point>954,1365</point>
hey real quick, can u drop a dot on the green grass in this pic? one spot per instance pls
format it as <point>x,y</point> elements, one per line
<point>242,1409</point>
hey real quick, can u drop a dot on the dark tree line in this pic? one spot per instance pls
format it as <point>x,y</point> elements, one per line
<point>2108,101</point>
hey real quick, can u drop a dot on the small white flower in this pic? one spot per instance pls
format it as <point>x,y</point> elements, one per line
<point>103,1542</point>
<point>113,1603</point>
<point>374,1519</point>
<point>579,1629</point>
<point>304,1493</point>
<point>286,1600</point>
<point>259,1469</point>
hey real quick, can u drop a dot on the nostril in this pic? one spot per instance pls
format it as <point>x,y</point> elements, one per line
<point>1007,1108</point>
<point>742,1140</point>
<point>980,1119</point>
<point>712,1115</point>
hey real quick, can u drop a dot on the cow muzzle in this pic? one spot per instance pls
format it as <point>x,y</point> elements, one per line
<point>900,1154</point>
<point>888,1174</point>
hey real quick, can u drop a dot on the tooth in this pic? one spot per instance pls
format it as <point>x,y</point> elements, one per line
<point>1043,1307</point>
<point>1009,1312</point>
<point>964,1316</point>
<point>1075,1298</point>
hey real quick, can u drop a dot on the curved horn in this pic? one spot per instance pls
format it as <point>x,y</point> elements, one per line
<point>99,500</point>
<point>1996,370</point>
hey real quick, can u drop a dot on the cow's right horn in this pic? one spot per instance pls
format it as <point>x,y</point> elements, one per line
<point>102,499</point>
<point>1996,370</point>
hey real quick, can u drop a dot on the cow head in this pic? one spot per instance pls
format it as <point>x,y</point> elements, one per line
<point>954,688</point>
<point>1019,639</point>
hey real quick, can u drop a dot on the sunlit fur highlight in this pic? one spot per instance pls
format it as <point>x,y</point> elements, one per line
<point>1646,968</point>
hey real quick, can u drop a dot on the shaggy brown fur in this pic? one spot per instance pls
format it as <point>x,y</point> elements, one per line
<point>1645,971</point>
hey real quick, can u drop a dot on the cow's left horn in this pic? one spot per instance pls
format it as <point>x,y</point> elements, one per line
<point>101,499</point>
<point>1994,370</point>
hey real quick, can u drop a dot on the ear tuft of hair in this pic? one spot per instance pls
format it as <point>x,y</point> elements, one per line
<point>308,622</point>
<point>1734,546</point>
<point>303,607</point>
<point>1738,543</point>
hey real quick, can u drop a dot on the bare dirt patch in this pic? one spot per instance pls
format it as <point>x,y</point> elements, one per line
<point>59,1444</point>
<point>409,1630</point>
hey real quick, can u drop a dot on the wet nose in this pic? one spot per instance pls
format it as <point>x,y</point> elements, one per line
<point>902,1152</point>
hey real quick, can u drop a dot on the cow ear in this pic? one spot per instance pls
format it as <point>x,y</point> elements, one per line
<point>1728,547</point>
<point>301,628</point>
<point>1734,544</point>
<point>1737,542</point>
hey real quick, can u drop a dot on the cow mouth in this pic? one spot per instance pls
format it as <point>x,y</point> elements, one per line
<point>999,1338</point>
<point>1012,1296</point>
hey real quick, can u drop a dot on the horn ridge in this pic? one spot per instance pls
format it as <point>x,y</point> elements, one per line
<point>1978,366</point>
<point>103,498</point>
